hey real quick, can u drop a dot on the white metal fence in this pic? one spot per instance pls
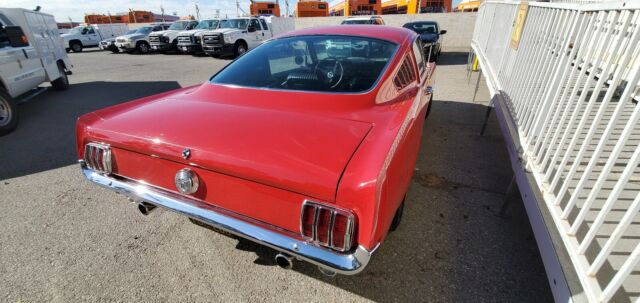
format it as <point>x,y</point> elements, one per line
<point>572,88</point>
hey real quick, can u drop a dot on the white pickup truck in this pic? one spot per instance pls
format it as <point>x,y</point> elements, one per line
<point>83,36</point>
<point>236,36</point>
<point>31,52</point>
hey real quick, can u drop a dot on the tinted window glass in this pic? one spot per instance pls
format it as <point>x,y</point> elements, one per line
<point>311,63</point>
<point>423,28</point>
<point>417,51</point>
<point>264,24</point>
<point>255,24</point>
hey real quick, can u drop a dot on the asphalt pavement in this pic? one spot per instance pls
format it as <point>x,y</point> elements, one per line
<point>63,239</point>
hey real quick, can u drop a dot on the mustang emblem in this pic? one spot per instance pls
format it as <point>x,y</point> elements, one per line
<point>186,153</point>
<point>187,181</point>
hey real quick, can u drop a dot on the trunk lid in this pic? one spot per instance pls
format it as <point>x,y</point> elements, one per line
<point>301,152</point>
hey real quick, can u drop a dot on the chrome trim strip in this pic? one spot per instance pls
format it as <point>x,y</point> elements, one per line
<point>346,264</point>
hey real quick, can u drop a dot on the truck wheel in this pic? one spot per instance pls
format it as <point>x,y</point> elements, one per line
<point>8,113</point>
<point>61,83</point>
<point>76,47</point>
<point>142,47</point>
<point>239,49</point>
<point>398,216</point>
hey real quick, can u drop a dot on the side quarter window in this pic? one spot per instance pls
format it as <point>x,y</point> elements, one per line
<point>406,74</point>
<point>417,51</point>
<point>264,24</point>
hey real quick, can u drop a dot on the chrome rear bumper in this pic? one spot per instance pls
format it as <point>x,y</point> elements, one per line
<point>346,264</point>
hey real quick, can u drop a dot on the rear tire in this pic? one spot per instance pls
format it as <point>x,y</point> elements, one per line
<point>76,47</point>
<point>397,218</point>
<point>61,83</point>
<point>8,113</point>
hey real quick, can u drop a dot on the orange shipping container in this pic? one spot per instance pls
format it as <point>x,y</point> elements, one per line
<point>264,8</point>
<point>312,9</point>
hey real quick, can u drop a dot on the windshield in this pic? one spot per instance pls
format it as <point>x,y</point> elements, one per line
<point>180,25</point>
<point>144,30</point>
<point>78,30</point>
<point>357,21</point>
<point>130,32</point>
<point>234,23</point>
<point>422,28</point>
<point>208,24</point>
<point>311,63</point>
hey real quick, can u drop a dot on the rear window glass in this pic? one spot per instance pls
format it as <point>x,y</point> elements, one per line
<point>311,63</point>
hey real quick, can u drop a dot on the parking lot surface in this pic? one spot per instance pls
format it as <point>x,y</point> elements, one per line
<point>64,239</point>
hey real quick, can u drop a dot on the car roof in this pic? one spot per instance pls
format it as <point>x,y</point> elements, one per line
<point>393,34</point>
<point>421,22</point>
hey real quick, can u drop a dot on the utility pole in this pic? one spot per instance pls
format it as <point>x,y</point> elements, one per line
<point>109,14</point>
<point>70,22</point>
<point>286,5</point>
<point>162,11</point>
<point>197,11</point>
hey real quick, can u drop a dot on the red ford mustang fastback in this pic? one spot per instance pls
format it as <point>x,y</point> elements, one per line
<point>306,144</point>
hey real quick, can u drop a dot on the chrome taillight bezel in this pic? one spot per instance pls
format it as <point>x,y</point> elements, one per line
<point>348,237</point>
<point>98,157</point>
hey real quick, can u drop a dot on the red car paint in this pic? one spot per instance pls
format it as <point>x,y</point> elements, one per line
<point>260,153</point>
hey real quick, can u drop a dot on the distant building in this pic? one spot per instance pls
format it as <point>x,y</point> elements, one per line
<point>312,8</point>
<point>133,16</point>
<point>468,6</point>
<point>410,6</point>
<point>264,8</point>
<point>355,7</point>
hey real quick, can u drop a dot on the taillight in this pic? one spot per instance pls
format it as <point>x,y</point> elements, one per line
<point>327,226</point>
<point>97,157</point>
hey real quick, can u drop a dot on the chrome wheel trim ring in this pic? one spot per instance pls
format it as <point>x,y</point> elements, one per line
<point>5,112</point>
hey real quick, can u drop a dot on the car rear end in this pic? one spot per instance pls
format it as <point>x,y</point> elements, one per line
<point>294,218</point>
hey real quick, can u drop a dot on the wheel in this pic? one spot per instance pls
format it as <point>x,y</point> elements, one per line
<point>67,50</point>
<point>61,83</point>
<point>142,47</point>
<point>239,49</point>
<point>76,47</point>
<point>8,113</point>
<point>115,51</point>
<point>398,216</point>
<point>215,56</point>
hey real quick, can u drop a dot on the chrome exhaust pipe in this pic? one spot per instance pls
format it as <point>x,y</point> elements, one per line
<point>284,261</point>
<point>145,208</point>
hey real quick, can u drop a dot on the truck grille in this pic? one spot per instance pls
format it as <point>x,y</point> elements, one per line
<point>122,40</point>
<point>185,40</point>
<point>154,39</point>
<point>212,39</point>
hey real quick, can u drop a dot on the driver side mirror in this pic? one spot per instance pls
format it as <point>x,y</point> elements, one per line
<point>14,36</point>
<point>251,29</point>
<point>442,32</point>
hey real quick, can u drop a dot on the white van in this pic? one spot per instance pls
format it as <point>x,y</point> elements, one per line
<point>90,35</point>
<point>31,52</point>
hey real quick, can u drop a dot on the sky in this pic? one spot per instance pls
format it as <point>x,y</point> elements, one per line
<point>76,9</point>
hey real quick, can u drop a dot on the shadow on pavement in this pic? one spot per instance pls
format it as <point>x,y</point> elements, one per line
<point>452,58</point>
<point>45,137</point>
<point>451,245</point>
